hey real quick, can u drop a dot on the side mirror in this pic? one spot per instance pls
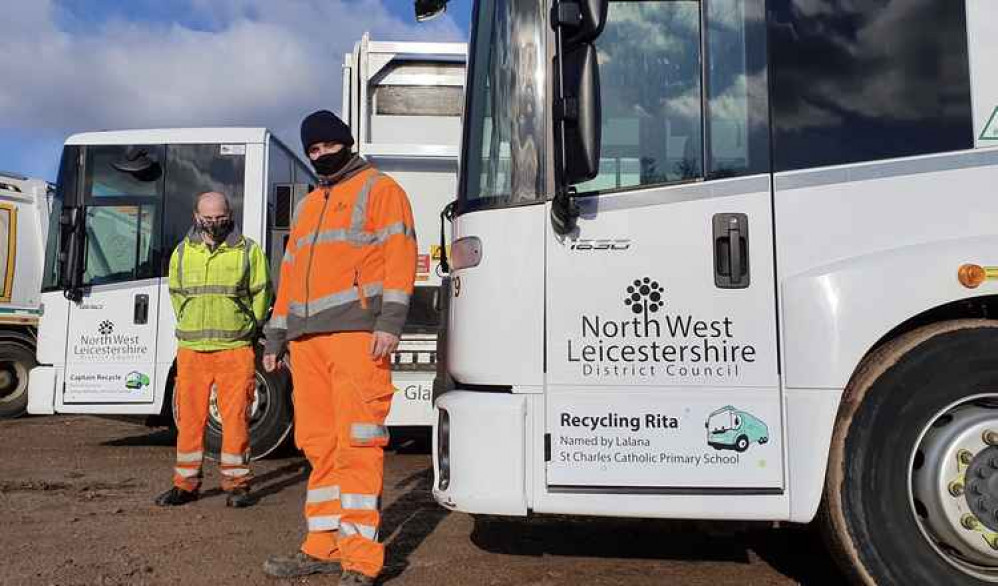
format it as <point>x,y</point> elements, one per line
<point>582,20</point>
<point>579,111</point>
<point>71,255</point>
<point>577,23</point>
<point>427,9</point>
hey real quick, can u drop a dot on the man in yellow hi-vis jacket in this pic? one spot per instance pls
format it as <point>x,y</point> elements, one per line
<point>220,292</point>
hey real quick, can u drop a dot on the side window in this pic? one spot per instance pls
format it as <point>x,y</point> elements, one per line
<point>123,214</point>
<point>649,56</point>
<point>119,243</point>
<point>192,169</point>
<point>863,81</point>
<point>280,205</point>
<point>667,118</point>
<point>738,104</point>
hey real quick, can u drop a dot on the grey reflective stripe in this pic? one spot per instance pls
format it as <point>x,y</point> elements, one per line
<point>180,262</point>
<point>288,257</point>
<point>324,523</point>
<point>235,459</point>
<point>365,531</point>
<point>194,336</point>
<point>395,296</point>
<point>334,300</point>
<point>323,495</point>
<point>189,457</point>
<point>368,431</point>
<point>359,502</point>
<point>360,205</point>
<point>187,472</point>
<point>393,229</point>
<point>237,472</point>
<point>210,290</point>
<point>336,235</point>
<point>277,322</point>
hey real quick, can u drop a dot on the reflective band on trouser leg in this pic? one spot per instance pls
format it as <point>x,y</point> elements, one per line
<point>195,374</point>
<point>363,391</point>
<point>315,434</point>
<point>236,387</point>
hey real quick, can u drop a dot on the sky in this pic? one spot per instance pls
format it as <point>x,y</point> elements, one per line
<point>70,66</point>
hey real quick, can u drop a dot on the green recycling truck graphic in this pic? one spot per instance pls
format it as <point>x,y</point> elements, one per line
<point>733,429</point>
<point>136,380</point>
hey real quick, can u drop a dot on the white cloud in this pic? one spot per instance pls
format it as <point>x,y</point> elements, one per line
<point>263,63</point>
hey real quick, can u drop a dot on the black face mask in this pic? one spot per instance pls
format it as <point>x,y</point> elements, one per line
<point>216,230</point>
<point>331,163</point>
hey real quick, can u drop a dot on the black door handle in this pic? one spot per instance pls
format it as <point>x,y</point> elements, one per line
<point>731,257</point>
<point>141,314</point>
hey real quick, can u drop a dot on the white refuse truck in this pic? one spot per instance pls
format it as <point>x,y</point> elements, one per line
<point>403,103</point>
<point>124,201</point>
<point>23,226</point>
<point>783,213</point>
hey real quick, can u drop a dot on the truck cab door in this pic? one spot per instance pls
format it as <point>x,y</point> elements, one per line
<point>112,328</point>
<point>661,305</point>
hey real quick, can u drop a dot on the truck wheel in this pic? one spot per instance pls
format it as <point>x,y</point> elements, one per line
<point>16,361</point>
<point>911,493</point>
<point>742,443</point>
<point>271,415</point>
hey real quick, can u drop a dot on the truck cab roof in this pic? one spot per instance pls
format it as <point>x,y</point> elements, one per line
<point>205,135</point>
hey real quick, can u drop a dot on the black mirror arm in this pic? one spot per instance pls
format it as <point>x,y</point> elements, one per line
<point>564,211</point>
<point>446,215</point>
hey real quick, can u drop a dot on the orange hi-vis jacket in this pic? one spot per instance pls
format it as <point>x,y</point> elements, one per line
<point>350,262</point>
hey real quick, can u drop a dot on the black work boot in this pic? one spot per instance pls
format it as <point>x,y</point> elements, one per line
<point>176,496</point>
<point>352,578</point>
<point>299,564</point>
<point>240,498</point>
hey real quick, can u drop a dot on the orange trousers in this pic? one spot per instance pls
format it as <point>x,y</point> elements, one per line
<point>233,374</point>
<point>341,399</point>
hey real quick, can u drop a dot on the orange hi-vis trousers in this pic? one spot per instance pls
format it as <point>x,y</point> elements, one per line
<point>341,398</point>
<point>233,374</point>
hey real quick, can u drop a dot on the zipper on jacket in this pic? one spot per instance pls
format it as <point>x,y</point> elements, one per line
<point>311,252</point>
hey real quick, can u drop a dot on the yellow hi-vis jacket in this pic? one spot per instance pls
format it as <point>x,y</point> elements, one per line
<point>220,296</point>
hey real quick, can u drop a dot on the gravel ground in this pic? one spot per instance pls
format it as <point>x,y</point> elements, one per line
<point>76,509</point>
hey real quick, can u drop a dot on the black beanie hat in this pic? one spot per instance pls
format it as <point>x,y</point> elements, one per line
<point>324,126</point>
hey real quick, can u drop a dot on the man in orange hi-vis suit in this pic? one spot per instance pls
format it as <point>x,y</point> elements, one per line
<point>343,297</point>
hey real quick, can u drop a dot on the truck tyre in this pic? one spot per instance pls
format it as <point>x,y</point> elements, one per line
<point>741,444</point>
<point>911,494</point>
<point>271,416</point>
<point>16,361</point>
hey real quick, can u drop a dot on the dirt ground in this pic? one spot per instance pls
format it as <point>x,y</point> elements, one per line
<point>76,509</point>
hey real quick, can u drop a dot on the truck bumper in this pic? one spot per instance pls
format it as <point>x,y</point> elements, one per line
<point>480,452</point>
<point>41,390</point>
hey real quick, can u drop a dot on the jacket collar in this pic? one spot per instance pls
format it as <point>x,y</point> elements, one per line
<point>353,167</point>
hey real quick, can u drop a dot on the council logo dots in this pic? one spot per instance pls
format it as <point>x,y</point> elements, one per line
<point>644,296</point>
